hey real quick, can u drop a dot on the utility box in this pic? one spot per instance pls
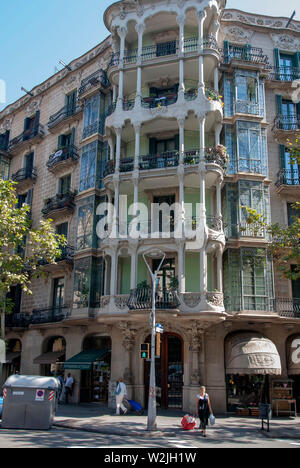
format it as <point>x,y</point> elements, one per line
<point>29,402</point>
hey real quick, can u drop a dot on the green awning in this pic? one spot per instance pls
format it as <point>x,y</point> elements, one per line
<point>85,359</point>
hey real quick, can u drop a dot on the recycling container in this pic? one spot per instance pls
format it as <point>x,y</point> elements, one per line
<point>29,402</point>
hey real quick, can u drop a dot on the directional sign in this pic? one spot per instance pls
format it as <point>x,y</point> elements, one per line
<point>2,352</point>
<point>159,328</point>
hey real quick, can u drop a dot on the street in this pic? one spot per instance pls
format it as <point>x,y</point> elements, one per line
<point>66,438</point>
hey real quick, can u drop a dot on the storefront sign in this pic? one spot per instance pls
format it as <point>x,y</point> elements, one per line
<point>293,353</point>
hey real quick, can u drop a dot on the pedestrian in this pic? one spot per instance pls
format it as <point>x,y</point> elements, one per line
<point>61,382</point>
<point>68,387</point>
<point>203,409</point>
<point>121,393</point>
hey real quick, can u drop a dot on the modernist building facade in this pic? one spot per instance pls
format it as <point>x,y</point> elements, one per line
<point>189,103</point>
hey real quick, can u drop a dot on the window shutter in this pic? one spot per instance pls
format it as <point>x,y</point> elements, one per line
<point>36,122</point>
<point>60,143</point>
<point>226,51</point>
<point>296,63</point>
<point>27,123</point>
<point>73,136</point>
<point>279,104</point>
<point>152,145</point>
<point>282,156</point>
<point>276,58</point>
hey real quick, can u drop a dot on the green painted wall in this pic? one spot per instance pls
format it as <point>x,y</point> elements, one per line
<point>193,196</point>
<point>142,270</point>
<point>192,272</point>
<point>125,265</point>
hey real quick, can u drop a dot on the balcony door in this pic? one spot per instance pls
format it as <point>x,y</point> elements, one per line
<point>166,275</point>
<point>58,294</point>
<point>286,67</point>
<point>289,113</point>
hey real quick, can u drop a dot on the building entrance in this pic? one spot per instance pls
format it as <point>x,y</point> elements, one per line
<point>169,373</point>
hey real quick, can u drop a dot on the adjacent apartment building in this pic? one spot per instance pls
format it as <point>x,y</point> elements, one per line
<point>184,102</point>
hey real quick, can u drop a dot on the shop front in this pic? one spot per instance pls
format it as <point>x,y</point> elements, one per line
<point>52,360</point>
<point>293,365</point>
<point>250,360</point>
<point>94,362</point>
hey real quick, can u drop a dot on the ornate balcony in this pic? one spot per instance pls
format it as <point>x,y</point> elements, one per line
<point>286,127</point>
<point>282,76</point>
<point>289,308</point>
<point>162,101</point>
<point>254,56</point>
<point>249,303</point>
<point>287,181</point>
<point>66,260</point>
<point>27,138</point>
<point>22,175</point>
<point>67,113</point>
<point>141,299</point>
<point>159,161</point>
<point>93,82</point>
<point>60,205</point>
<point>38,316</point>
<point>63,158</point>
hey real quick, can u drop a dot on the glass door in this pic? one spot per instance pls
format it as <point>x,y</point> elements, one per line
<point>289,113</point>
<point>58,295</point>
<point>286,68</point>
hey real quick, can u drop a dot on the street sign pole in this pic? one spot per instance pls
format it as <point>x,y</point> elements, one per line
<point>151,425</point>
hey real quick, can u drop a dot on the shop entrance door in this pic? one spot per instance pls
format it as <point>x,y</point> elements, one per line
<point>169,373</point>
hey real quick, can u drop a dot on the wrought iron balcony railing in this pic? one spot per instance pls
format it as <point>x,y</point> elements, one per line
<point>163,101</point>
<point>38,316</point>
<point>141,299</point>
<point>27,135</point>
<point>159,161</point>
<point>286,307</point>
<point>24,174</point>
<point>244,54</point>
<point>96,127</point>
<point>99,78</point>
<point>60,201</point>
<point>64,113</point>
<point>289,122</point>
<point>249,303</point>
<point>67,255</point>
<point>288,177</point>
<point>285,74</point>
<point>63,154</point>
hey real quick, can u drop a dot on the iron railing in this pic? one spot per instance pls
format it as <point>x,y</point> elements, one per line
<point>244,54</point>
<point>60,201</point>
<point>38,316</point>
<point>162,101</point>
<point>63,154</point>
<point>284,73</point>
<point>288,177</point>
<point>249,303</point>
<point>67,255</point>
<point>159,161</point>
<point>64,113</point>
<point>96,127</point>
<point>141,299</point>
<point>286,307</point>
<point>39,131</point>
<point>289,122</point>
<point>98,78</point>
<point>24,174</point>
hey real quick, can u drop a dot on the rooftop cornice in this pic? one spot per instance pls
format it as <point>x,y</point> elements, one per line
<point>257,21</point>
<point>40,89</point>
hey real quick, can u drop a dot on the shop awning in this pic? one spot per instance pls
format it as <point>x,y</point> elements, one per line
<point>49,358</point>
<point>293,354</point>
<point>10,357</point>
<point>250,353</point>
<point>85,359</point>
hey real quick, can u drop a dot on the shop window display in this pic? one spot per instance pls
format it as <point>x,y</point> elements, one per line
<point>245,393</point>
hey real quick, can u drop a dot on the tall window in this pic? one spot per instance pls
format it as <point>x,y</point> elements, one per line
<point>91,116</point>
<point>88,167</point>
<point>58,293</point>
<point>251,148</point>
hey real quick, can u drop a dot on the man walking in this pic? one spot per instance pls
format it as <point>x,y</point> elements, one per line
<point>68,387</point>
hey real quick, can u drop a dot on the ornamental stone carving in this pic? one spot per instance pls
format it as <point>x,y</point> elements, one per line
<point>104,301</point>
<point>121,301</point>
<point>215,298</point>
<point>72,83</point>
<point>237,34</point>
<point>285,42</point>
<point>192,300</point>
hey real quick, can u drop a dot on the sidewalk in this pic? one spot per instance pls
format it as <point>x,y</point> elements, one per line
<point>100,419</point>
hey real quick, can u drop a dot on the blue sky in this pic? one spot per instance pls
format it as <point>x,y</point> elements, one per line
<point>36,34</point>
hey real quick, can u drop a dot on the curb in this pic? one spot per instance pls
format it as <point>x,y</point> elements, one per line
<point>116,432</point>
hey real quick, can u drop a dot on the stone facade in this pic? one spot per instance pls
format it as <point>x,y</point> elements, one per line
<point>147,123</point>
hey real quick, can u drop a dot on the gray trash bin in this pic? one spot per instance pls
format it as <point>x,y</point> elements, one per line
<point>29,402</point>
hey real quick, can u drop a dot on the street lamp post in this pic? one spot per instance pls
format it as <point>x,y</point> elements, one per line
<point>153,254</point>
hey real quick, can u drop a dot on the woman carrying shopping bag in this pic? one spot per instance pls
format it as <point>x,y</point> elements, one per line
<point>203,409</point>
<point>120,393</point>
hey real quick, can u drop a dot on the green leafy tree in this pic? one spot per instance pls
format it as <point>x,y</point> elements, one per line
<point>23,248</point>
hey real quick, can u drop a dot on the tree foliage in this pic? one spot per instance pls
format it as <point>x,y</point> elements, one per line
<point>23,248</point>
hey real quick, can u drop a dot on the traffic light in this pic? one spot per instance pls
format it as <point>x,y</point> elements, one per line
<point>145,351</point>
